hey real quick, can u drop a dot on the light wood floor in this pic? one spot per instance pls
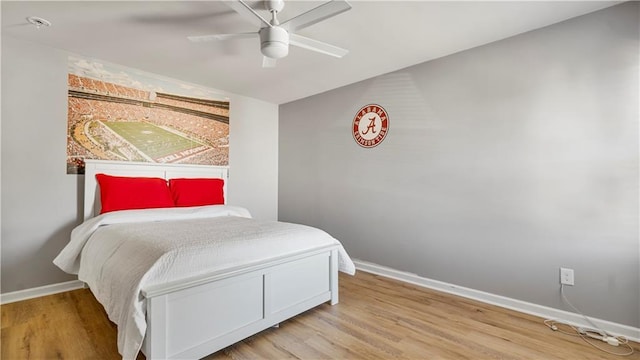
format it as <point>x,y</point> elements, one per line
<point>376,318</point>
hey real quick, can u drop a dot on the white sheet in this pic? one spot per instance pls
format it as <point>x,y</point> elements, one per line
<point>139,248</point>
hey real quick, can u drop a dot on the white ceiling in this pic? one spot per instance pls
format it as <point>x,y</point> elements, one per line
<point>382,36</point>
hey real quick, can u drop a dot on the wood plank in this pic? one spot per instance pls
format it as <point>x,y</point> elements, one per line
<point>377,318</point>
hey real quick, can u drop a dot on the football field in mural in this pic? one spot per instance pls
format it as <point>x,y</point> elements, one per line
<point>154,142</point>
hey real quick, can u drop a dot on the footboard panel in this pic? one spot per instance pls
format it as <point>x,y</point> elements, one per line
<point>310,277</point>
<point>226,306</point>
<point>198,320</point>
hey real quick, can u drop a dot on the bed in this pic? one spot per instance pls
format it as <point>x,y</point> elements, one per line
<point>236,293</point>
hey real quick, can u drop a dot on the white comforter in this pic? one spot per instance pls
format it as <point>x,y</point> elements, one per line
<point>140,248</point>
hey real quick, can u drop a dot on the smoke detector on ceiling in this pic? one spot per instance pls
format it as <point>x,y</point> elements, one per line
<point>38,22</point>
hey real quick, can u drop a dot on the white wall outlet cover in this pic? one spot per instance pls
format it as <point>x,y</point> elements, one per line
<point>566,276</point>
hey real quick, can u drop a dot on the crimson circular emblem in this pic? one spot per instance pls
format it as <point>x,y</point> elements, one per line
<point>370,125</point>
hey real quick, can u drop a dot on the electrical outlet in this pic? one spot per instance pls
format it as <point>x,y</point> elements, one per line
<point>566,276</point>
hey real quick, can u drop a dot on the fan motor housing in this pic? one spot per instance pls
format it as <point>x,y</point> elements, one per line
<point>274,42</point>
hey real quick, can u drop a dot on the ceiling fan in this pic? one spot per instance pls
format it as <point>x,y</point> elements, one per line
<point>275,37</point>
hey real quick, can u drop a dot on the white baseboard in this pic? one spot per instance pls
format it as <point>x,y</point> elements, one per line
<point>630,332</point>
<point>26,294</point>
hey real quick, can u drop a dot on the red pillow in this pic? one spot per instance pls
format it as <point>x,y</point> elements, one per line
<point>126,193</point>
<point>197,192</point>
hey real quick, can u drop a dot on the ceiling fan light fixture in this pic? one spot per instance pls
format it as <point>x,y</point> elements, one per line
<point>274,38</point>
<point>274,42</point>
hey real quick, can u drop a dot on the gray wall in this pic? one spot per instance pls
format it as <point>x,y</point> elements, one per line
<point>502,164</point>
<point>41,203</point>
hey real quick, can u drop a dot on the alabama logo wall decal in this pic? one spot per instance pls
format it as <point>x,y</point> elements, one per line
<point>370,125</point>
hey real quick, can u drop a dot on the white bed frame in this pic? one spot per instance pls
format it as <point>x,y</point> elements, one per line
<point>201,315</point>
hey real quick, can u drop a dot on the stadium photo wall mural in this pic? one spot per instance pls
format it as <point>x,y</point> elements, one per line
<point>119,113</point>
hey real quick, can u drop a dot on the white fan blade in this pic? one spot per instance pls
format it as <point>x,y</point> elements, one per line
<point>315,15</point>
<point>268,62</point>
<point>315,45</point>
<point>248,13</point>
<point>221,37</point>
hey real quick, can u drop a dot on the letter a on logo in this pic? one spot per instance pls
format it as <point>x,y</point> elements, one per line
<point>371,126</point>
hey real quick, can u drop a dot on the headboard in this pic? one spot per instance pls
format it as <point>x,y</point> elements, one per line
<point>128,168</point>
